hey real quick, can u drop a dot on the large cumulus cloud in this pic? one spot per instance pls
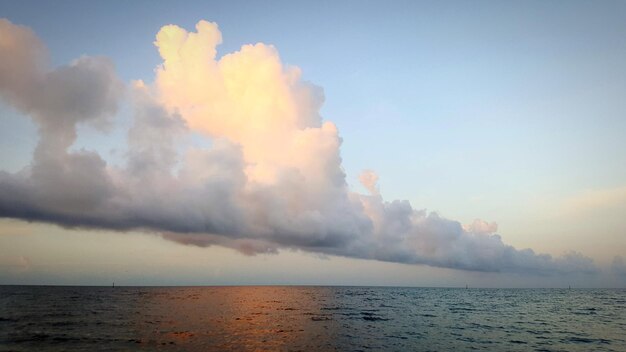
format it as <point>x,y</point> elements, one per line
<point>271,178</point>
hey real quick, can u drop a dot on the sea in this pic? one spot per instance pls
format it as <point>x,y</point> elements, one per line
<point>310,318</point>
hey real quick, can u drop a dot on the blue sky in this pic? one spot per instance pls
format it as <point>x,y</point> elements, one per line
<point>511,112</point>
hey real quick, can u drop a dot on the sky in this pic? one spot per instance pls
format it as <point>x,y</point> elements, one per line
<point>353,143</point>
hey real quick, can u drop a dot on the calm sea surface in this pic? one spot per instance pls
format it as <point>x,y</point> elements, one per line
<point>310,319</point>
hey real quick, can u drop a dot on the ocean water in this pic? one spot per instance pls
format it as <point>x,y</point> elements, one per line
<point>39,318</point>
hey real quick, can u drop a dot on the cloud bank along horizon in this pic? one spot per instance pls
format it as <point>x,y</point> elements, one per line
<point>271,178</point>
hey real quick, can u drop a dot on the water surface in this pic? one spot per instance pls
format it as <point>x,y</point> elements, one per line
<point>46,318</point>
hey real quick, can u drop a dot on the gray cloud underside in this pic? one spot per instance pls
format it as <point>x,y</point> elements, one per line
<point>202,196</point>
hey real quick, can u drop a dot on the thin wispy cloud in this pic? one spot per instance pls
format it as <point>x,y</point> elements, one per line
<point>272,177</point>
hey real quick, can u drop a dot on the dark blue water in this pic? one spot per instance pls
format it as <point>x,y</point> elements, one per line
<point>310,319</point>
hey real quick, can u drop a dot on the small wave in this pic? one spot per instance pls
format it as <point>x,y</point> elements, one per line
<point>374,318</point>
<point>64,339</point>
<point>369,316</point>
<point>61,323</point>
<point>518,342</point>
<point>321,318</point>
<point>461,309</point>
<point>580,339</point>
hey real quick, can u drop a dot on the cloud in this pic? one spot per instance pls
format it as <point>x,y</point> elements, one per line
<point>481,227</point>
<point>369,180</point>
<point>272,177</point>
<point>618,267</point>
